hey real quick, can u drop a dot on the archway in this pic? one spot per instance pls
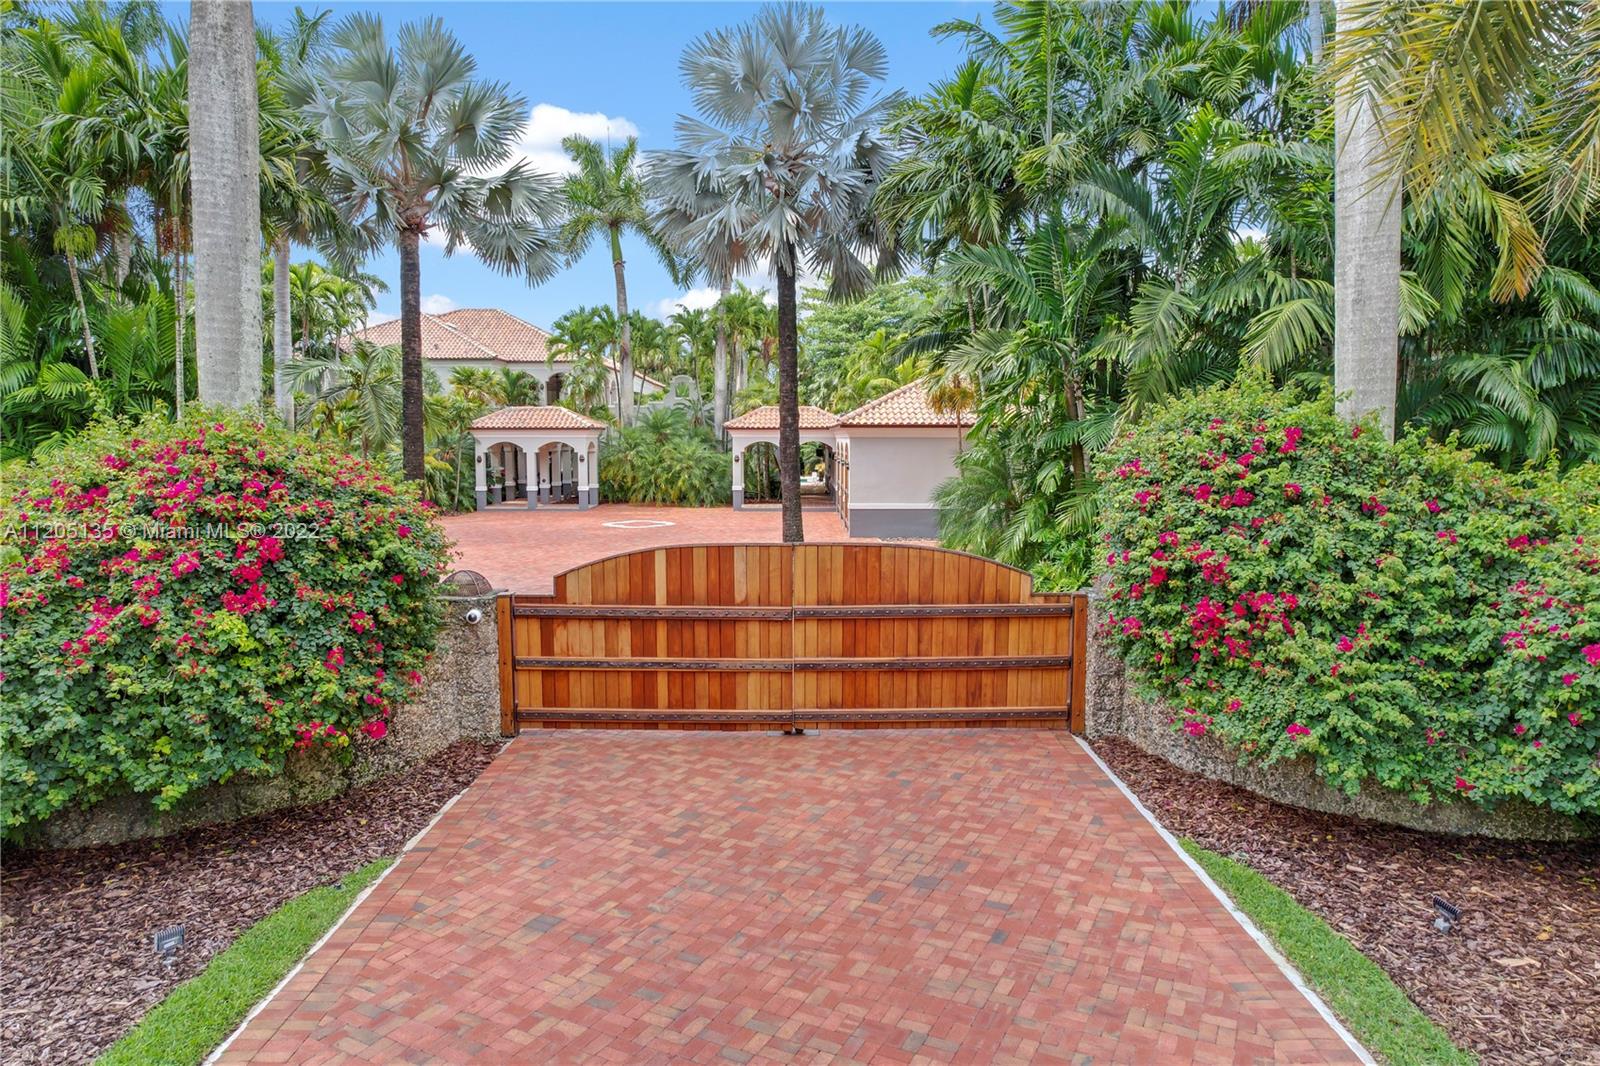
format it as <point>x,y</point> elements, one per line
<point>506,472</point>
<point>557,468</point>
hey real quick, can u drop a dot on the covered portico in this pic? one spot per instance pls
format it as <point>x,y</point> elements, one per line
<point>545,455</point>
<point>760,426</point>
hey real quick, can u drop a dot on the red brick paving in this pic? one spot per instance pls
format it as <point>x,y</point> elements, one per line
<point>882,896</point>
<point>522,550</point>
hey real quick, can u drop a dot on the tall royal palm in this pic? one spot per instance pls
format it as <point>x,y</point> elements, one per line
<point>791,130</point>
<point>607,196</point>
<point>225,179</point>
<point>415,144</point>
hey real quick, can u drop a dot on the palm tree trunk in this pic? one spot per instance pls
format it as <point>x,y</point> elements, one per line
<point>719,365</point>
<point>282,346</point>
<point>225,179</point>
<point>1366,257</point>
<point>411,433</point>
<point>624,335</point>
<point>180,301</point>
<point>83,314</point>
<point>789,401</point>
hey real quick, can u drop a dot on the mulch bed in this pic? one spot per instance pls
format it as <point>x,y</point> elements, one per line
<point>78,967</point>
<point>1515,982</point>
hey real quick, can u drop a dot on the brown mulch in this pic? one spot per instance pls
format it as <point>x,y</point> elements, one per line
<point>78,966</point>
<point>1515,982</point>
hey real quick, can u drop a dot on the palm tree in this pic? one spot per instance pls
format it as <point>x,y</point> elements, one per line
<point>1366,260</point>
<point>416,143</point>
<point>607,195</point>
<point>356,393</point>
<point>293,206</point>
<point>584,337</point>
<point>792,132</point>
<point>749,323</point>
<point>708,223</point>
<point>1450,80</point>
<point>225,176</point>
<point>58,171</point>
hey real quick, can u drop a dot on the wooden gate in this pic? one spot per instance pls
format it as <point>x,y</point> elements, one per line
<point>768,636</point>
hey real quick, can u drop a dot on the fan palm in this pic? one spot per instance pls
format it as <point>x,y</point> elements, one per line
<point>792,132</point>
<point>416,143</point>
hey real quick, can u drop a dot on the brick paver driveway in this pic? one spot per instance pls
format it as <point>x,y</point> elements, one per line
<point>522,550</point>
<point>874,896</point>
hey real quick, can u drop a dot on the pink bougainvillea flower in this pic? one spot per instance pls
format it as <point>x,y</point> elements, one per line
<point>375,729</point>
<point>1447,535</point>
<point>1234,705</point>
<point>1433,506</point>
<point>1538,743</point>
<point>1292,491</point>
<point>1346,644</point>
<point>1295,729</point>
<point>1592,653</point>
<point>1576,717</point>
<point>1463,785</point>
<point>1519,729</point>
<point>1202,493</point>
<point>1569,679</point>
<point>1355,432</point>
<point>1291,439</point>
<point>398,579</point>
<point>402,532</point>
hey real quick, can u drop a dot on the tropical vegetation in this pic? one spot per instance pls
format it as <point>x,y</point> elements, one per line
<point>187,601</point>
<point>1399,614</point>
<point>1099,250</point>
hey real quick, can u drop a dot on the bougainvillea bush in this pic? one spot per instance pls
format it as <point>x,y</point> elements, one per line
<point>1398,612</point>
<point>181,603</point>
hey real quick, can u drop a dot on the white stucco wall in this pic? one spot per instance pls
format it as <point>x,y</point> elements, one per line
<point>893,473</point>
<point>899,466</point>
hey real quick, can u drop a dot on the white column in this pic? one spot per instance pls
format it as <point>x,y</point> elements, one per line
<point>480,464</point>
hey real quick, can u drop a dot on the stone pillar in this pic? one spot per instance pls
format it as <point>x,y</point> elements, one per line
<point>738,480</point>
<point>519,463</point>
<point>586,499</point>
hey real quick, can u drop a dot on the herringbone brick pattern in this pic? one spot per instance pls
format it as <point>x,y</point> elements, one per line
<point>881,896</point>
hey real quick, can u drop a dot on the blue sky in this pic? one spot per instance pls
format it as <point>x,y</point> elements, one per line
<point>594,67</point>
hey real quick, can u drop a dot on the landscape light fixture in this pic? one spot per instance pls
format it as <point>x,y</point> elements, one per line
<point>1449,915</point>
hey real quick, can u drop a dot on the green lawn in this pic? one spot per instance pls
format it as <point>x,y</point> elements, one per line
<point>200,1013</point>
<point>1361,994</point>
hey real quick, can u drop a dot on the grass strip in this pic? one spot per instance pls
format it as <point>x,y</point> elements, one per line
<point>200,1013</point>
<point>1355,988</point>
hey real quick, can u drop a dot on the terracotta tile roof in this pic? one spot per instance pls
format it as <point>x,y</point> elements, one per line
<point>536,418</point>
<point>509,337</point>
<point>767,418</point>
<point>477,333</point>
<point>439,340</point>
<point>905,406</point>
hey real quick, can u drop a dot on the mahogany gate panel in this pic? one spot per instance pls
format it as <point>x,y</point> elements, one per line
<point>780,636</point>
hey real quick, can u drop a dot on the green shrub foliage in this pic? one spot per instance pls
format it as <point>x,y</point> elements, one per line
<point>186,602</point>
<point>1399,613</point>
<point>665,459</point>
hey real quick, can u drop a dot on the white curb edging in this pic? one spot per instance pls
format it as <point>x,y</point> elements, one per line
<point>1239,916</point>
<point>211,1059</point>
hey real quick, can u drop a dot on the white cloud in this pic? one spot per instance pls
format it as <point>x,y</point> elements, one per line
<point>693,300</point>
<point>437,304</point>
<point>377,318</point>
<point>540,143</point>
